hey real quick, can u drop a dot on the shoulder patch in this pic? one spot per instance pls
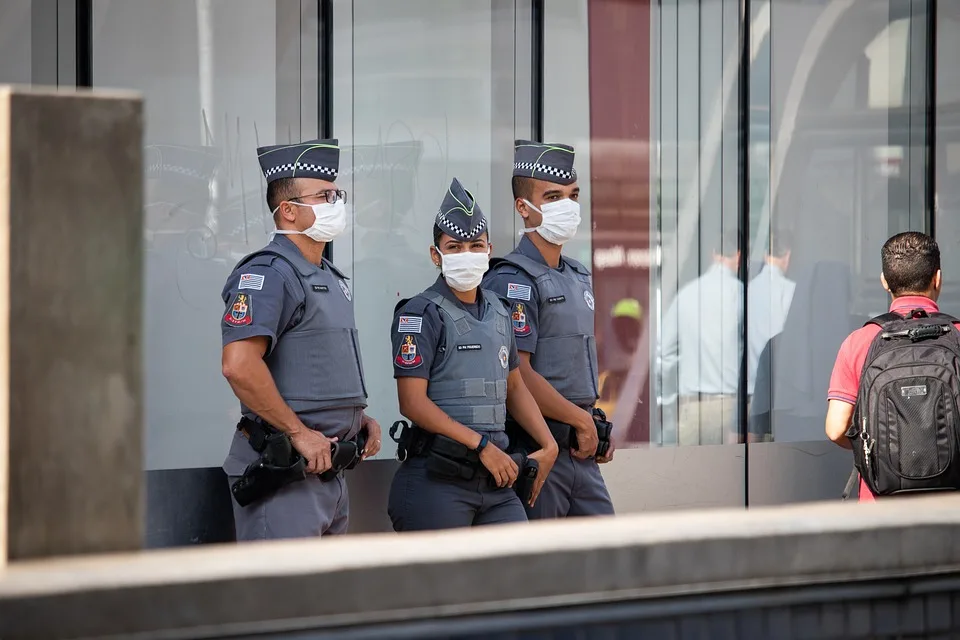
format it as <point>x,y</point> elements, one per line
<point>519,317</point>
<point>410,324</point>
<point>407,356</point>
<point>251,281</point>
<point>240,311</point>
<point>518,291</point>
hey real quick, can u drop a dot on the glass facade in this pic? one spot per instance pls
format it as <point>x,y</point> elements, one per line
<point>739,174</point>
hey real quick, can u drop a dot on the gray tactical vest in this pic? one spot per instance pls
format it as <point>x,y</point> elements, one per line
<point>469,380</point>
<point>566,347</point>
<point>316,364</point>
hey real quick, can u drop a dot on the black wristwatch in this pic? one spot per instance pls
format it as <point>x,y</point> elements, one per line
<point>483,443</point>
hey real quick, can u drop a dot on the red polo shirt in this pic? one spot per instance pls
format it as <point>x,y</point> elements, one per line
<point>845,380</point>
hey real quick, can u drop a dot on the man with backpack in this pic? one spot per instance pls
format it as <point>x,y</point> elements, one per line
<point>893,396</point>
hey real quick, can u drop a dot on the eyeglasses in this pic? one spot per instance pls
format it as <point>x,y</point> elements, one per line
<point>331,196</point>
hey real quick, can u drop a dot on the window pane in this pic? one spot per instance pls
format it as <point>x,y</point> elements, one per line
<point>948,153</point>
<point>699,295</point>
<point>29,42</point>
<point>416,87</point>
<point>846,113</point>
<point>219,78</point>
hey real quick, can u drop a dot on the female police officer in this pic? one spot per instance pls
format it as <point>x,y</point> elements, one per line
<point>456,366</point>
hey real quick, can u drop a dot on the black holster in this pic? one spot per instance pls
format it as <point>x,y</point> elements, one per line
<point>279,464</point>
<point>604,431</point>
<point>345,455</point>
<point>529,468</point>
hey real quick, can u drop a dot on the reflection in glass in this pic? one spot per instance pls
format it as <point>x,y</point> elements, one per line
<point>844,105</point>
<point>217,78</point>
<point>837,152</point>
<point>419,85</point>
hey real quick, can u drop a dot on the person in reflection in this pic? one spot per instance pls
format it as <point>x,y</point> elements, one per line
<point>455,361</point>
<point>768,301</point>
<point>701,350</point>
<point>769,296</point>
<point>290,350</point>
<point>911,275</point>
<point>551,303</point>
<point>794,368</point>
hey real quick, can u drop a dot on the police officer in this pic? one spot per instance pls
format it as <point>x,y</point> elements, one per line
<point>551,304</point>
<point>290,348</point>
<point>455,362</point>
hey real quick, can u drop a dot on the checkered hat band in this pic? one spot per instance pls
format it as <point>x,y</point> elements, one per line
<point>543,168</point>
<point>312,168</point>
<point>457,231</point>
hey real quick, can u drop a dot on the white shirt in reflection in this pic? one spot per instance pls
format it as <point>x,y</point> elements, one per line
<point>768,301</point>
<point>700,336</point>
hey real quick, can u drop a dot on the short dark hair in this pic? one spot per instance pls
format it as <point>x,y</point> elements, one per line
<point>280,190</point>
<point>728,243</point>
<point>522,187</point>
<point>781,241</point>
<point>910,261</point>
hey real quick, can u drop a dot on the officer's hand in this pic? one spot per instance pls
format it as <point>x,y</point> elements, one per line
<point>609,456</point>
<point>503,469</point>
<point>586,437</point>
<point>373,436</point>
<point>315,448</point>
<point>545,458</point>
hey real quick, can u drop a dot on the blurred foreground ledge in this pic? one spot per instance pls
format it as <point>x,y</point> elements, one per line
<point>860,570</point>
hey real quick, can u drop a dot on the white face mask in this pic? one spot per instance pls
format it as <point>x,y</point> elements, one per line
<point>329,221</point>
<point>463,271</point>
<point>561,219</point>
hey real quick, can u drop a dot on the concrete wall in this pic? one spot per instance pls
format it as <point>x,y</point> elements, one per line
<point>824,570</point>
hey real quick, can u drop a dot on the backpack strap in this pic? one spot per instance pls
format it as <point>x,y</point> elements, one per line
<point>883,319</point>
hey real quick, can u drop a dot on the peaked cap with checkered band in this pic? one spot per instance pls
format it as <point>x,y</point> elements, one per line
<point>548,161</point>
<point>318,159</point>
<point>460,216</point>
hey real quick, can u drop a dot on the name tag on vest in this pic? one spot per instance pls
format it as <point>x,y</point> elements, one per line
<point>320,288</point>
<point>557,299</point>
<point>469,347</point>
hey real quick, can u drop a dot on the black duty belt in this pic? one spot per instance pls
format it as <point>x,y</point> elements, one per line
<point>280,463</point>
<point>449,460</point>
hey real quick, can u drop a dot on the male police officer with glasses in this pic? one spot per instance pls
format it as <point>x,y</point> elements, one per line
<point>551,303</point>
<point>291,356</point>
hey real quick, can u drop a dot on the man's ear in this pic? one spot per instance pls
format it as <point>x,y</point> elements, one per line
<point>938,280</point>
<point>883,282</point>
<point>521,208</point>
<point>287,212</point>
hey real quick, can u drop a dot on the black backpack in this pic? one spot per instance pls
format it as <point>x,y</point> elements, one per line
<point>906,425</point>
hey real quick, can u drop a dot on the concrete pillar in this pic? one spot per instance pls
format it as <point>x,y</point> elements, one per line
<point>71,185</point>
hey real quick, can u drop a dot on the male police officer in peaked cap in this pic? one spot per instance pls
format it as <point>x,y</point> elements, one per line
<point>551,302</point>
<point>456,368</point>
<point>291,355</point>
